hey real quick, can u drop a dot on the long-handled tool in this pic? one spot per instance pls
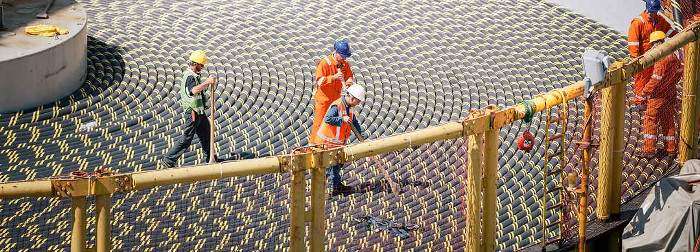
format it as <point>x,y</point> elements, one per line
<point>45,13</point>
<point>212,126</point>
<point>392,184</point>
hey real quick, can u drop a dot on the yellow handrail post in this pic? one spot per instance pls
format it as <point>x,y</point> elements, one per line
<point>489,183</point>
<point>103,231</point>
<point>473,231</point>
<point>297,204</point>
<point>77,241</point>
<point>318,200</point>
<point>611,146</point>
<point>618,148</point>
<point>689,115</point>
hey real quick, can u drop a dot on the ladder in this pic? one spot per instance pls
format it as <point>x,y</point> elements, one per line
<point>555,131</point>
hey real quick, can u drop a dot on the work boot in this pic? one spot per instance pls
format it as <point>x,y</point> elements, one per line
<point>340,189</point>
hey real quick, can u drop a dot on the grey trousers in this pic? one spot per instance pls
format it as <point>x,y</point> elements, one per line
<point>199,126</point>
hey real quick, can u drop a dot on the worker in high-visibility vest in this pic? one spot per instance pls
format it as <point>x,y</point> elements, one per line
<point>661,96</point>
<point>192,101</point>
<point>336,128</point>
<point>332,71</point>
<point>638,40</point>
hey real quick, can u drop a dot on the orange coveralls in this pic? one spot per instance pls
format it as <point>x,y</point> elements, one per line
<point>327,92</point>
<point>638,43</point>
<point>661,92</point>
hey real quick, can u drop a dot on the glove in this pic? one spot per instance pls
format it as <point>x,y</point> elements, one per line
<point>338,75</point>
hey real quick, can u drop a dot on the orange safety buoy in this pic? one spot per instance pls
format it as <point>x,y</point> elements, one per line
<point>526,141</point>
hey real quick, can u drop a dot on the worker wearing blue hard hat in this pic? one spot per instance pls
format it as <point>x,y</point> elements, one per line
<point>342,47</point>
<point>333,73</point>
<point>653,6</point>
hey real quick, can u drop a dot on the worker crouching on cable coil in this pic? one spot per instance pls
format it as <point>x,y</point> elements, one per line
<point>336,128</point>
<point>192,101</point>
<point>661,97</point>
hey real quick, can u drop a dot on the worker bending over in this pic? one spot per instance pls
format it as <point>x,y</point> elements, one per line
<point>638,41</point>
<point>661,97</point>
<point>192,101</point>
<point>332,72</point>
<point>336,128</point>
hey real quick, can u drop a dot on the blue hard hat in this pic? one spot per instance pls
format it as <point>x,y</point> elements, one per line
<point>653,6</point>
<point>342,47</point>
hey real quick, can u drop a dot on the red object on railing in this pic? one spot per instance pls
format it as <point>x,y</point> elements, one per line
<point>526,141</point>
<point>79,174</point>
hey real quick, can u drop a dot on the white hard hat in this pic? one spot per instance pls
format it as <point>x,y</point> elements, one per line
<point>357,91</point>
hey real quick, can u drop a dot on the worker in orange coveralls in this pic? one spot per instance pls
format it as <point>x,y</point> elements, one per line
<point>332,72</point>
<point>660,94</point>
<point>638,41</point>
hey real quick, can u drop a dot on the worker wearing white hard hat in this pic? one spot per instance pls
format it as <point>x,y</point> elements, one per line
<point>337,126</point>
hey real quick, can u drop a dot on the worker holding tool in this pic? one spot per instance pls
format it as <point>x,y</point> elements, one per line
<point>661,97</point>
<point>336,127</point>
<point>638,41</point>
<point>332,74</point>
<point>193,103</point>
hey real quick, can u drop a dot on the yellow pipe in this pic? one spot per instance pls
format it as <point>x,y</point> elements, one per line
<point>35,188</point>
<point>490,180</point>
<point>78,206</point>
<point>190,174</point>
<point>318,203</point>
<point>297,206</point>
<point>103,231</point>
<point>446,131</point>
<point>473,191</point>
<point>688,127</point>
<point>618,148</point>
<point>610,152</point>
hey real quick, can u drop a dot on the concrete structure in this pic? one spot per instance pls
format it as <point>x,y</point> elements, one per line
<point>36,70</point>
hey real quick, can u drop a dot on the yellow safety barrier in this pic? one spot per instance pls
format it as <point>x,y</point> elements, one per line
<point>480,128</point>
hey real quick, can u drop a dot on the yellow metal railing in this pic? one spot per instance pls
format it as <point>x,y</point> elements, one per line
<point>480,128</point>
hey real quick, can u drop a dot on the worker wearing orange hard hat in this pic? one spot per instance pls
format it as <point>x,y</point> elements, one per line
<point>638,40</point>
<point>661,96</point>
